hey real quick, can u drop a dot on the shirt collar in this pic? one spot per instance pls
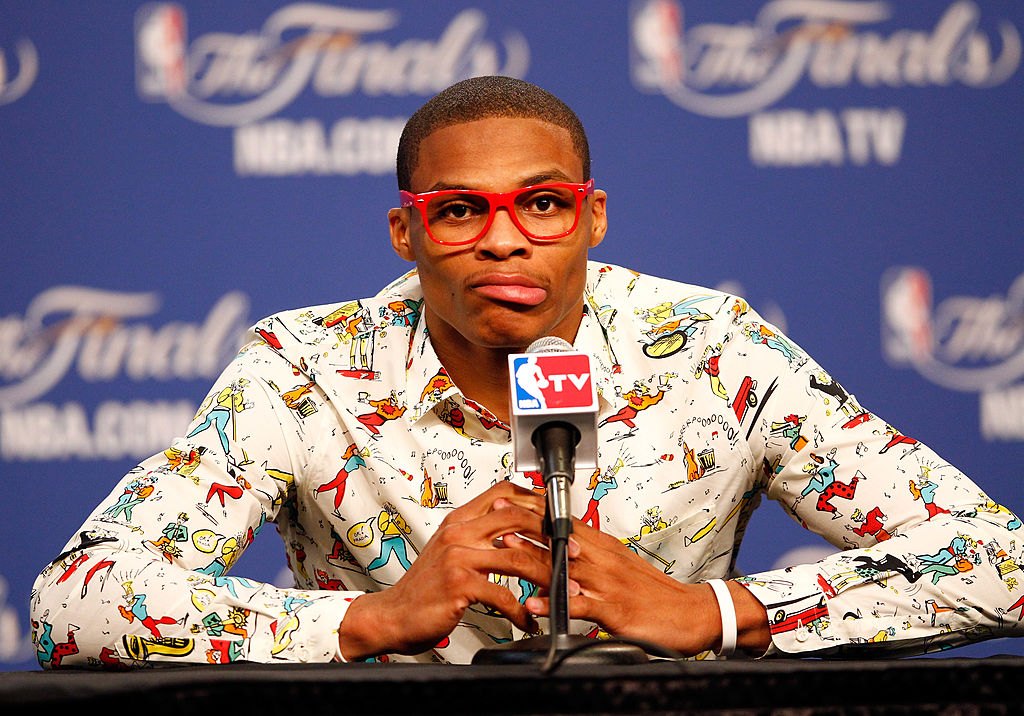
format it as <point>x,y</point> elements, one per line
<point>426,381</point>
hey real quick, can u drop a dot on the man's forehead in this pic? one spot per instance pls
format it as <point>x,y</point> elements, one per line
<point>514,150</point>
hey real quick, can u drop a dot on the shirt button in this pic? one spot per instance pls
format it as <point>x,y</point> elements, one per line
<point>802,635</point>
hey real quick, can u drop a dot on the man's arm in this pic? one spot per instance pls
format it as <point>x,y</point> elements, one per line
<point>147,577</point>
<point>919,569</point>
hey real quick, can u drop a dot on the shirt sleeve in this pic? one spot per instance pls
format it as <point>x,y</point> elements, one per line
<point>927,560</point>
<point>146,580</point>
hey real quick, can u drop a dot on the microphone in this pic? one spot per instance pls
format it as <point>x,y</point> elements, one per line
<point>554,430</point>
<point>554,402</point>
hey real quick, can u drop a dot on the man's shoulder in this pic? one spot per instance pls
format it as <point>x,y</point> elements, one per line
<point>658,317</point>
<point>395,306</point>
<point>625,286</point>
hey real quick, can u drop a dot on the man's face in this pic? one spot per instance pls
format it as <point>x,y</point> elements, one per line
<point>504,291</point>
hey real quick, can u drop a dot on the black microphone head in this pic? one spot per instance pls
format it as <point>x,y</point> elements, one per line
<point>549,344</point>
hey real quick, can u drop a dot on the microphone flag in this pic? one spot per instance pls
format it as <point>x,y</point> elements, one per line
<point>549,387</point>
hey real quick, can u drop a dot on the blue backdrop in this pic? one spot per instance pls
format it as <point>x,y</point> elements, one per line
<point>173,171</point>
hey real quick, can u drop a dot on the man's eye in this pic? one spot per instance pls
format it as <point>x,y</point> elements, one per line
<point>456,211</point>
<point>545,204</point>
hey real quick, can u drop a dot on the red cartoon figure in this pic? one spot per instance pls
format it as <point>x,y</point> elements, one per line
<point>385,409</point>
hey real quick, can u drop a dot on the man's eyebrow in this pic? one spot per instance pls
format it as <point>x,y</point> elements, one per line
<point>444,186</point>
<point>544,177</point>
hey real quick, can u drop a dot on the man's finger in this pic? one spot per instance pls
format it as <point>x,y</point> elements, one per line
<point>527,564</point>
<point>501,599</point>
<point>484,529</point>
<point>484,502</point>
<point>526,499</point>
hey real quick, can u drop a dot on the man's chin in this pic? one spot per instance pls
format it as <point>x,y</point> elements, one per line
<point>514,328</point>
<point>502,328</point>
<point>511,343</point>
<point>513,336</point>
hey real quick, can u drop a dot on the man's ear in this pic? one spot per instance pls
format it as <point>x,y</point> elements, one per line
<point>398,225</point>
<point>599,217</point>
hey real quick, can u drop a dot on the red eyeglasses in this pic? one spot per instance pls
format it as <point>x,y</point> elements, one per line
<point>543,212</point>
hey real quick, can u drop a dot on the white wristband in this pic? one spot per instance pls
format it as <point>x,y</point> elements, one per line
<point>728,610</point>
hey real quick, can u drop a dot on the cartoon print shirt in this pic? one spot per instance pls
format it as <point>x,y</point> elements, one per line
<point>338,424</point>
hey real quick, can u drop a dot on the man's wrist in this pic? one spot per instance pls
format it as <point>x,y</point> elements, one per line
<point>727,612</point>
<point>753,633</point>
<point>359,634</point>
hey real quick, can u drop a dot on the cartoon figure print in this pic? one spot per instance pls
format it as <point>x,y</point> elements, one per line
<point>451,414</point>
<point>393,531</point>
<point>673,325</point>
<point>384,409</point>
<point>600,485</point>
<point>870,524</point>
<point>824,482</point>
<point>961,555</point>
<point>438,384</point>
<point>925,492</point>
<point>790,428</point>
<point>639,398</point>
<point>760,334</point>
<point>299,399</point>
<point>709,365</point>
<point>135,492</point>
<point>222,409</point>
<point>50,653</point>
<point>401,313</point>
<point>136,609</point>
<point>353,459</point>
<point>897,438</point>
<point>184,464</point>
<point>174,533</point>
<point>434,493</point>
<point>353,324</point>
<point>651,521</point>
<point>824,383</point>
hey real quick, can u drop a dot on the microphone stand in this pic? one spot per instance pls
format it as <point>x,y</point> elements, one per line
<point>555,443</point>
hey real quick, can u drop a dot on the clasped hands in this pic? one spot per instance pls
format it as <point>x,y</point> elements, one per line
<point>608,584</point>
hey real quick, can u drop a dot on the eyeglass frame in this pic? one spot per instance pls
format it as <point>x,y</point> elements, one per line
<point>497,200</point>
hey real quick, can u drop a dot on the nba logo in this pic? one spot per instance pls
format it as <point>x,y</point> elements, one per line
<point>907,332</point>
<point>160,62</point>
<point>657,56</point>
<point>552,382</point>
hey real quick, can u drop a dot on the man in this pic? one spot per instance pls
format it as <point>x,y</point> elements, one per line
<point>498,214</point>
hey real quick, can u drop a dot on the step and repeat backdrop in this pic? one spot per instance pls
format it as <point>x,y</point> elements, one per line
<point>173,171</point>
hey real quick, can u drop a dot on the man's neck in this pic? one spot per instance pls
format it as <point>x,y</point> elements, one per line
<point>480,372</point>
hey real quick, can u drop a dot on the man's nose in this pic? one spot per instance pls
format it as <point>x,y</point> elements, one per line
<point>503,239</point>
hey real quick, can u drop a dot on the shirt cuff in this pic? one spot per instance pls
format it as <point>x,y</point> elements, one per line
<point>798,613</point>
<point>315,638</point>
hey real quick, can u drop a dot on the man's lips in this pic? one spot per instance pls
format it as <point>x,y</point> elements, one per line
<point>510,289</point>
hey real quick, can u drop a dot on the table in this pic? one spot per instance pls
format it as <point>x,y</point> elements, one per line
<point>989,685</point>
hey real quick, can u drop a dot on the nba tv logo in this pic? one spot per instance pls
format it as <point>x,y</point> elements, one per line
<point>552,382</point>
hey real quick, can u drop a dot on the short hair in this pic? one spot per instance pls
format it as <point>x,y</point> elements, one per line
<point>483,98</point>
